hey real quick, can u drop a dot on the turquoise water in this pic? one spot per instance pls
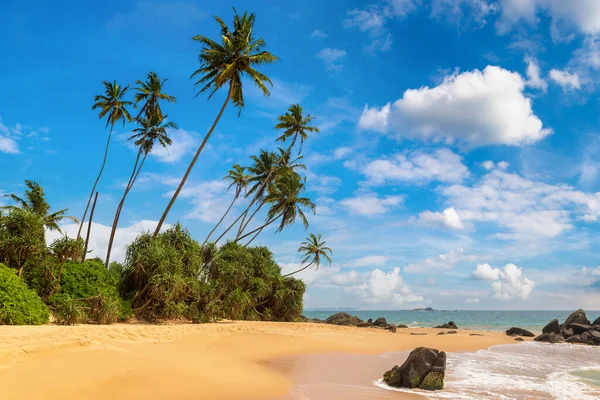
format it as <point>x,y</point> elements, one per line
<point>478,320</point>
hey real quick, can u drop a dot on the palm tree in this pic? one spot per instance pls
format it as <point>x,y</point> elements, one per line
<point>240,180</point>
<point>313,249</point>
<point>65,248</point>
<point>286,204</point>
<point>113,106</point>
<point>150,92</point>
<point>35,201</point>
<point>223,65</point>
<point>146,135</point>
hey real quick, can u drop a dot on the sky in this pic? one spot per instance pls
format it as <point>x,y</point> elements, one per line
<point>457,164</point>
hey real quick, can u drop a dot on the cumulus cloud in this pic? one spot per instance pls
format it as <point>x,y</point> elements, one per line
<point>210,199</point>
<point>565,79</point>
<point>319,34</point>
<point>475,107</point>
<point>10,135</point>
<point>534,79</point>
<point>507,283</point>
<point>369,261</point>
<point>371,204</point>
<point>100,234</point>
<point>184,142</point>
<point>440,263</point>
<point>332,58</point>
<point>449,218</point>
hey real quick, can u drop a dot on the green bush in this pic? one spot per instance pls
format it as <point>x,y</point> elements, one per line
<point>19,305</point>
<point>68,309</point>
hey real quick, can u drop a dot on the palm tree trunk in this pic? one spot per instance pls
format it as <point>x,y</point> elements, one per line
<point>89,229</point>
<point>132,178</point>
<point>237,193</point>
<point>191,166</point>
<point>242,228</point>
<point>62,266</point>
<point>230,226</point>
<point>253,237</point>
<point>301,269</point>
<point>260,228</point>
<point>97,180</point>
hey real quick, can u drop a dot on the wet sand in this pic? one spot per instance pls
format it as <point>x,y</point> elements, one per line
<point>228,360</point>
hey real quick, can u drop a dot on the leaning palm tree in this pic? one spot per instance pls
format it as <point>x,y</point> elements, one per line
<point>286,204</point>
<point>113,106</point>
<point>35,201</point>
<point>150,92</point>
<point>224,65</point>
<point>240,180</point>
<point>313,249</point>
<point>149,132</point>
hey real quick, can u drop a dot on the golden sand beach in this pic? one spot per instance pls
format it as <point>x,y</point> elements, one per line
<point>227,360</point>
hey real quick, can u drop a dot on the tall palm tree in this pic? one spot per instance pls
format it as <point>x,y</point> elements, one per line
<point>224,65</point>
<point>313,249</point>
<point>286,204</point>
<point>149,132</point>
<point>295,126</point>
<point>35,201</point>
<point>150,92</point>
<point>240,180</point>
<point>113,106</point>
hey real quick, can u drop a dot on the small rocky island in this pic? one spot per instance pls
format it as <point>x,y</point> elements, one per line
<point>577,328</point>
<point>424,369</point>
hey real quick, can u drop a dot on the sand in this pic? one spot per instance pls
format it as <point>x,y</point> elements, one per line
<point>227,360</point>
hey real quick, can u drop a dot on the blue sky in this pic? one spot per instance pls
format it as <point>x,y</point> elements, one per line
<point>457,164</point>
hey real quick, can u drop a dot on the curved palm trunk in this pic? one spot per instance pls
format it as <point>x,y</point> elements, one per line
<point>253,237</point>
<point>260,228</point>
<point>243,224</point>
<point>229,228</point>
<point>191,166</point>
<point>237,193</point>
<point>132,178</point>
<point>96,183</point>
<point>89,229</point>
<point>301,269</point>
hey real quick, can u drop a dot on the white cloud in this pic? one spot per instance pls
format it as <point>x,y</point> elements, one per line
<point>209,199</point>
<point>369,261</point>
<point>534,79</point>
<point>449,218</point>
<point>8,145</point>
<point>388,288</point>
<point>486,273</point>
<point>282,94</point>
<point>371,204</point>
<point>456,11</point>
<point>417,166</point>
<point>565,79</point>
<point>507,283</point>
<point>184,142</point>
<point>322,184</point>
<point>10,135</point>
<point>319,34</point>
<point>488,165</point>
<point>472,300</point>
<point>100,234</point>
<point>332,58</point>
<point>476,107</point>
<point>440,263</point>
<point>341,153</point>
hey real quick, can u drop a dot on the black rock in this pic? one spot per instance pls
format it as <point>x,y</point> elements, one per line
<point>574,339</point>
<point>550,338</point>
<point>579,328</point>
<point>585,337</point>
<point>552,327</point>
<point>392,328</point>
<point>596,321</point>
<point>424,369</point>
<point>519,339</point>
<point>567,333</point>
<point>370,321</point>
<point>380,322</point>
<point>519,332</point>
<point>577,317</point>
<point>401,326</point>
<point>363,325</point>
<point>594,334</point>
<point>449,325</point>
<point>344,319</point>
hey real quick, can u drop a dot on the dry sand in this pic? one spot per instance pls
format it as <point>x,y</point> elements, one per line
<point>228,360</point>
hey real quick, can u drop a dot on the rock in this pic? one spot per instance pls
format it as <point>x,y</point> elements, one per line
<point>519,339</point>
<point>363,325</point>
<point>574,339</point>
<point>344,319</point>
<point>424,369</point>
<point>451,332</point>
<point>370,321</point>
<point>578,317</point>
<point>441,333</point>
<point>579,328</point>
<point>596,321</point>
<point>519,332</point>
<point>594,334</point>
<point>475,334</point>
<point>449,325</point>
<point>585,337</point>
<point>550,338</point>
<point>304,319</point>
<point>380,322</point>
<point>567,333</point>
<point>392,328</point>
<point>418,333</point>
<point>552,327</point>
<point>401,326</point>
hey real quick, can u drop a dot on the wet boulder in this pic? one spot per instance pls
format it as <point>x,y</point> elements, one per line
<point>449,325</point>
<point>577,317</point>
<point>596,321</point>
<point>514,331</point>
<point>343,319</point>
<point>574,339</point>
<point>381,322</point>
<point>424,369</point>
<point>579,328</point>
<point>567,333</point>
<point>549,338</point>
<point>519,339</point>
<point>594,335</point>
<point>552,327</point>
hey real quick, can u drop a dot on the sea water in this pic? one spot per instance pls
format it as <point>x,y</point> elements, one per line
<point>477,320</point>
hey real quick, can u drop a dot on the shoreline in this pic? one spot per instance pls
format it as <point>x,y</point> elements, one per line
<point>226,360</point>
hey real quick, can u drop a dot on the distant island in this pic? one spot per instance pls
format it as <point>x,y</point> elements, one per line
<point>423,309</point>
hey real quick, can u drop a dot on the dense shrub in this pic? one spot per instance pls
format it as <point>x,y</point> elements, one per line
<point>68,310</point>
<point>19,305</point>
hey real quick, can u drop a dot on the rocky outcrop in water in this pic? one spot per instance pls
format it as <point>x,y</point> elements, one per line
<point>577,328</point>
<point>424,368</point>
<point>514,331</point>
<point>449,325</point>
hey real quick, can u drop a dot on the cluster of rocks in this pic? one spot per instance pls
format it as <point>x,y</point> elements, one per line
<point>449,325</point>
<point>424,369</point>
<point>577,328</point>
<point>345,319</point>
<point>514,332</point>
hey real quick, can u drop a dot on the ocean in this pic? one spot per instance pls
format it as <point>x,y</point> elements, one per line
<point>477,320</point>
<point>528,370</point>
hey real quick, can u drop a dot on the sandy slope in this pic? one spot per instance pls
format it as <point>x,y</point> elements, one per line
<point>210,361</point>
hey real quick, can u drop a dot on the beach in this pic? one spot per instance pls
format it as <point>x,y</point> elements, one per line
<point>226,360</point>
